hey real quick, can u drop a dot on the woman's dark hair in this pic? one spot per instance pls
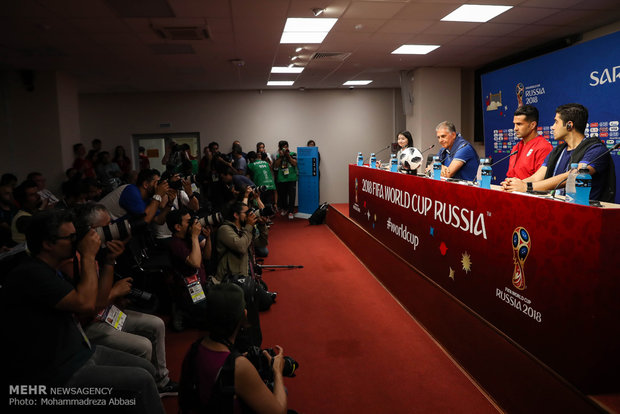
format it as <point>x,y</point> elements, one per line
<point>225,310</point>
<point>407,135</point>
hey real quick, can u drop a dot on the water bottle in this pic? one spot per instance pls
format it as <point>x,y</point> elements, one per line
<point>360,159</point>
<point>570,183</point>
<point>486,173</point>
<point>393,163</point>
<point>436,168</point>
<point>373,160</point>
<point>583,185</point>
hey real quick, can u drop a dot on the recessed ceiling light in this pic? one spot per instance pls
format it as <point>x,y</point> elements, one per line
<point>280,83</point>
<point>284,69</point>
<point>300,30</point>
<point>356,82</point>
<point>414,49</point>
<point>475,13</point>
<point>295,24</point>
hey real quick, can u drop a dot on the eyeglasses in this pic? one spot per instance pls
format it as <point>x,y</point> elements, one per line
<point>72,237</point>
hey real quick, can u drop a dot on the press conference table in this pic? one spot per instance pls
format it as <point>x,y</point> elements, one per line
<point>539,270</point>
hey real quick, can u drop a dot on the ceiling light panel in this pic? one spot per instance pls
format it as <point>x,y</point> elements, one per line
<point>309,31</point>
<point>286,69</point>
<point>280,83</point>
<point>414,49</point>
<point>475,13</point>
<point>357,82</point>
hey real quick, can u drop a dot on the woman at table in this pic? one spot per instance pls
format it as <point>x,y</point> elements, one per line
<point>404,140</point>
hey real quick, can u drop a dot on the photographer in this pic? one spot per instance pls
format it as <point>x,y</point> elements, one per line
<point>139,334</point>
<point>251,197</point>
<point>48,345</point>
<point>148,198</point>
<point>261,174</point>
<point>233,240</point>
<point>286,167</point>
<point>185,197</point>
<point>207,366</point>
<point>188,254</point>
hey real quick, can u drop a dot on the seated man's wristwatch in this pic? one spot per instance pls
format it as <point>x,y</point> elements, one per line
<point>530,187</point>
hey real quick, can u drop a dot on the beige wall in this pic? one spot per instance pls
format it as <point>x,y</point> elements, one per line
<point>342,122</point>
<point>32,136</point>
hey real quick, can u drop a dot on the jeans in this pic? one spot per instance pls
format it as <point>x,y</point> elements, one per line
<point>143,335</point>
<point>129,377</point>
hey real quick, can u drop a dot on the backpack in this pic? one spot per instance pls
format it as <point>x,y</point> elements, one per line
<point>318,217</point>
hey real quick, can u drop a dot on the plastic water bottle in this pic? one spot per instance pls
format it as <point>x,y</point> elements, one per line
<point>373,160</point>
<point>570,183</point>
<point>486,173</point>
<point>436,168</point>
<point>360,159</point>
<point>393,163</point>
<point>583,185</point>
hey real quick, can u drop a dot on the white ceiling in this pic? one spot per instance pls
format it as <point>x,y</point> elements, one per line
<point>110,46</point>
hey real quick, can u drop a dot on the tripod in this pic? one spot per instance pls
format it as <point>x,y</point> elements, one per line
<point>271,268</point>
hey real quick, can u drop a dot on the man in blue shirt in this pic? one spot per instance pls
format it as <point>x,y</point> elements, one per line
<point>458,157</point>
<point>569,126</point>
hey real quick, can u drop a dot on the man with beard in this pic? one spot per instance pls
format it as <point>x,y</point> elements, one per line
<point>147,198</point>
<point>27,196</point>
<point>233,240</point>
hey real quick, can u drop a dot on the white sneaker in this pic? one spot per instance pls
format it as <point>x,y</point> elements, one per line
<point>291,216</point>
<point>283,213</point>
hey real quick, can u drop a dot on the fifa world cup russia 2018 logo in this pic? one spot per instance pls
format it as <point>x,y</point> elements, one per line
<point>520,89</point>
<point>521,244</point>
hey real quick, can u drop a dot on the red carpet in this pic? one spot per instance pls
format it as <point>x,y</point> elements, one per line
<point>359,351</point>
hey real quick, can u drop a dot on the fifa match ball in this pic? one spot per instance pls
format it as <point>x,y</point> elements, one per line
<point>410,159</point>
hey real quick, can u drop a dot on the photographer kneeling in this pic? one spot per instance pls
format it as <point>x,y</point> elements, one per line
<point>219,373</point>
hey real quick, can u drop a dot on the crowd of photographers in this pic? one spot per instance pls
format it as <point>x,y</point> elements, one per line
<point>84,273</point>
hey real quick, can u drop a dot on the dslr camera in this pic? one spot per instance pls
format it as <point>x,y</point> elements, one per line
<point>262,365</point>
<point>214,219</point>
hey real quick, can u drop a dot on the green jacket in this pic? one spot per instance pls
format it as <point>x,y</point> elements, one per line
<point>232,249</point>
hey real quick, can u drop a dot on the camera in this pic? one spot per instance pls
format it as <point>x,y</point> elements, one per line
<point>260,188</point>
<point>120,230</point>
<point>262,365</point>
<point>214,219</point>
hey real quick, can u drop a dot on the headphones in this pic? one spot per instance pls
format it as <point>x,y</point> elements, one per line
<point>569,126</point>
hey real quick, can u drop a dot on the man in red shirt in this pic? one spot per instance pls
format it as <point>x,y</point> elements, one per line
<point>532,150</point>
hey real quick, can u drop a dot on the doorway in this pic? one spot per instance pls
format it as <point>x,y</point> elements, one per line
<point>155,146</point>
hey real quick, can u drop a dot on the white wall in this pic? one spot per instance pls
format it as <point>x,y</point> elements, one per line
<point>342,122</point>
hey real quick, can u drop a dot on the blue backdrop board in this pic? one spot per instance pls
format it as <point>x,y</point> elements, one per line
<point>308,185</point>
<point>587,73</point>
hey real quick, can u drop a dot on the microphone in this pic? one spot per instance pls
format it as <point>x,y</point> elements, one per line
<point>380,151</point>
<point>431,147</point>
<point>502,159</point>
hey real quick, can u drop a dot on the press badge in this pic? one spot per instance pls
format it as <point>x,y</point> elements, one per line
<point>285,171</point>
<point>113,316</point>
<point>194,288</point>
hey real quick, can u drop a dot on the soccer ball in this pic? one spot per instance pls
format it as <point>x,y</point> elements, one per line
<point>410,159</point>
